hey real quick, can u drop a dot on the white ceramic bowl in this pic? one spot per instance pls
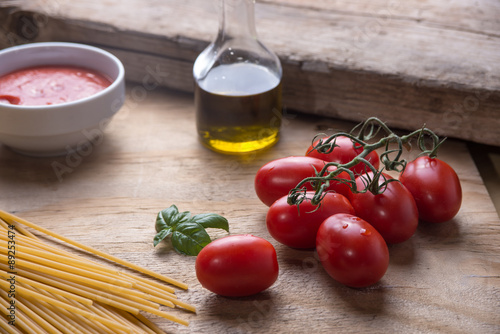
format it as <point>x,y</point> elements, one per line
<point>58,129</point>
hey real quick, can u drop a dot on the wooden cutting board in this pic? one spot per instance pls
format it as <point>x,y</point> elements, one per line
<point>408,62</point>
<point>445,279</point>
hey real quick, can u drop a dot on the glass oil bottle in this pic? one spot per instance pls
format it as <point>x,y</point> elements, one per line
<point>237,85</point>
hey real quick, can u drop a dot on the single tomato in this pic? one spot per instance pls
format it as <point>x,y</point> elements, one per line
<point>436,188</point>
<point>276,178</point>
<point>352,251</point>
<point>341,184</point>
<point>344,153</point>
<point>393,212</point>
<point>237,265</point>
<point>297,227</point>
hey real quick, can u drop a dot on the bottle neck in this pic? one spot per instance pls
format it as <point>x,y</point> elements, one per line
<point>237,19</point>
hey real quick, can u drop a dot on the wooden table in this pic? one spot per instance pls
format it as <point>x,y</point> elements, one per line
<point>445,279</point>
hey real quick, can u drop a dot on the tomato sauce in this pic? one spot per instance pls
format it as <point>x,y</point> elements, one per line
<point>47,85</point>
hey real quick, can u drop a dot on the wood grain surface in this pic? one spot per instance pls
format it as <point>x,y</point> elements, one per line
<point>407,62</point>
<point>445,279</point>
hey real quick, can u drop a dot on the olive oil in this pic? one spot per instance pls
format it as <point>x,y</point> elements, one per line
<point>238,108</point>
<point>237,85</point>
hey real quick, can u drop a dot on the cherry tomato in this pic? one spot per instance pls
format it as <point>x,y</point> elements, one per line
<point>237,265</point>
<point>435,187</point>
<point>339,186</point>
<point>344,153</point>
<point>352,251</point>
<point>393,212</point>
<point>276,178</point>
<point>297,227</point>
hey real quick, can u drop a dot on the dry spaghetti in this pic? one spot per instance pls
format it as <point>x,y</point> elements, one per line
<point>57,291</point>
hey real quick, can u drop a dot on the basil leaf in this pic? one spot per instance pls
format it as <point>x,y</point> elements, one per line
<point>166,218</point>
<point>211,220</point>
<point>189,238</point>
<point>161,235</point>
<point>187,233</point>
<point>182,217</point>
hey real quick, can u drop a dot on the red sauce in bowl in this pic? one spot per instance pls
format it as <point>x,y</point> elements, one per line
<point>47,85</point>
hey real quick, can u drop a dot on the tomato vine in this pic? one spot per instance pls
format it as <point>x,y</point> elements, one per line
<point>370,135</point>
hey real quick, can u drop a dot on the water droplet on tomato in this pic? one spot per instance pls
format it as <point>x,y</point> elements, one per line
<point>365,232</point>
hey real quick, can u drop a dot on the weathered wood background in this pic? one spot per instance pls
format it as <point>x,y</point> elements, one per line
<point>445,279</point>
<point>408,62</point>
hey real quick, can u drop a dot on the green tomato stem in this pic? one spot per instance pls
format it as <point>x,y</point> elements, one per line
<point>391,159</point>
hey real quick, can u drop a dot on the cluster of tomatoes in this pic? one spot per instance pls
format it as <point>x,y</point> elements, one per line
<point>351,229</point>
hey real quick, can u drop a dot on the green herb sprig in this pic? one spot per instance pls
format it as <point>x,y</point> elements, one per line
<point>187,233</point>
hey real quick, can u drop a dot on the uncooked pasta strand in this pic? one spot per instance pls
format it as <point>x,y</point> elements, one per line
<point>21,279</point>
<point>8,327</point>
<point>19,228</point>
<point>53,325</point>
<point>66,326</point>
<point>151,325</point>
<point>72,277</point>
<point>35,247</point>
<point>21,320</point>
<point>150,285</point>
<point>12,218</point>
<point>59,291</point>
<point>48,263</point>
<point>99,327</point>
<point>78,323</point>
<point>37,296</point>
<point>100,296</point>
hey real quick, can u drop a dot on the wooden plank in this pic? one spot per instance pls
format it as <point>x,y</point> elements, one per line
<point>457,15</point>
<point>444,279</point>
<point>408,64</point>
<point>487,159</point>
